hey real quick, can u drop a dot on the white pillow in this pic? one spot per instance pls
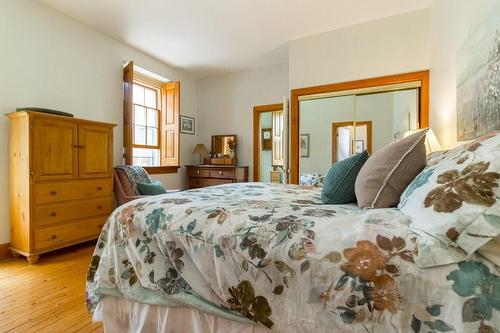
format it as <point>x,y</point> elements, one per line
<point>454,202</point>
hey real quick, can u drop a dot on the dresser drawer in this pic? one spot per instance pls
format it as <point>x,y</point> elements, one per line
<point>203,173</point>
<point>72,190</point>
<point>69,233</point>
<point>222,173</point>
<point>54,213</point>
<point>204,182</point>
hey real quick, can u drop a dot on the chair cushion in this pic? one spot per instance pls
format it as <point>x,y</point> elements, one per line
<point>125,182</point>
<point>153,188</point>
<point>338,186</point>
<point>387,173</point>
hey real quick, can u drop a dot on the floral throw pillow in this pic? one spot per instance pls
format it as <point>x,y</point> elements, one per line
<point>454,202</point>
<point>312,179</point>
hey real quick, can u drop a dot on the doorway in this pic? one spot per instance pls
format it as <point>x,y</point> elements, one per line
<point>349,138</point>
<point>268,132</point>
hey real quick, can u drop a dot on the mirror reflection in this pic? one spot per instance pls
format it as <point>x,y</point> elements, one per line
<point>334,128</point>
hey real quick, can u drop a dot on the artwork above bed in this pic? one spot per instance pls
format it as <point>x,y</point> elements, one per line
<point>478,80</point>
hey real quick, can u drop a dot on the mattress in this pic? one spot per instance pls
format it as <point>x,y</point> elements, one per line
<point>121,315</point>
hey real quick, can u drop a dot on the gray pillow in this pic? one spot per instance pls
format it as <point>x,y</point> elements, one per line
<point>387,173</point>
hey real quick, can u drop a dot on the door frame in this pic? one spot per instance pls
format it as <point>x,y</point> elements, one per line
<point>257,110</point>
<point>423,77</point>
<point>335,127</point>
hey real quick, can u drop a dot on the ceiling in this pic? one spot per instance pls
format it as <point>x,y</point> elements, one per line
<point>211,37</point>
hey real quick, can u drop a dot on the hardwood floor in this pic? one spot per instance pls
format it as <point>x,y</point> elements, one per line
<point>48,296</point>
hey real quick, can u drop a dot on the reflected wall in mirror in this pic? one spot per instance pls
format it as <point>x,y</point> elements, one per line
<point>268,143</point>
<point>341,126</point>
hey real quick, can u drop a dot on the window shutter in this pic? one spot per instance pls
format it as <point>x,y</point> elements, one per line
<point>170,123</point>
<point>128,95</point>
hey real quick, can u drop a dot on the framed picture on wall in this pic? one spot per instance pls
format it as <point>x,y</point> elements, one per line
<point>187,124</point>
<point>358,146</point>
<point>304,145</point>
<point>267,140</point>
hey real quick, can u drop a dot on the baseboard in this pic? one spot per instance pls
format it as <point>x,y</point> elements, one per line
<point>4,251</point>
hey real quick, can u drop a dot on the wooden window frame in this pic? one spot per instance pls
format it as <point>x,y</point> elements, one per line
<point>423,77</point>
<point>168,164</point>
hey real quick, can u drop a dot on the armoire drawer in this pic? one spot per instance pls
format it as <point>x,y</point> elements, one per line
<point>68,233</point>
<point>72,190</point>
<point>54,213</point>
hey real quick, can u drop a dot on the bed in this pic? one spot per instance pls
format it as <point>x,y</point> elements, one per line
<point>253,257</point>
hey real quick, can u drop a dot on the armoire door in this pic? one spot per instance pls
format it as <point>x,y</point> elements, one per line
<point>96,147</point>
<point>55,150</point>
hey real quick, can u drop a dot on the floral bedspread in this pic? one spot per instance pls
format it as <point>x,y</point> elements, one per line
<point>272,254</point>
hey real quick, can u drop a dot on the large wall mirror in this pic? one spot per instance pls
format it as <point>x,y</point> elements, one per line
<point>330,123</point>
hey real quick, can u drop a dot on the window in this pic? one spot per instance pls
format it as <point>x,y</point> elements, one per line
<point>146,126</point>
<point>151,112</point>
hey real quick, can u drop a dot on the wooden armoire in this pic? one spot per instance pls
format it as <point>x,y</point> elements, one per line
<point>61,184</point>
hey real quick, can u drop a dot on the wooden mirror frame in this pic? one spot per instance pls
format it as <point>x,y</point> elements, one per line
<point>423,77</point>
<point>257,110</point>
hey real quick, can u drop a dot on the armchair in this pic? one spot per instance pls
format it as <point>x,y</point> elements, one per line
<point>123,189</point>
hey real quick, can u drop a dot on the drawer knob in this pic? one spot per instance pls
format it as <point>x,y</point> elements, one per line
<point>99,207</point>
<point>198,172</point>
<point>53,214</point>
<point>220,173</point>
<point>53,192</point>
<point>99,226</point>
<point>99,188</point>
<point>53,236</point>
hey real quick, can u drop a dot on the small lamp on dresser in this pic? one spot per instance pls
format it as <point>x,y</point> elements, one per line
<point>200,150</point>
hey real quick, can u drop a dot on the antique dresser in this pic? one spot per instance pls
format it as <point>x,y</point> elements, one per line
<point>210,175</point>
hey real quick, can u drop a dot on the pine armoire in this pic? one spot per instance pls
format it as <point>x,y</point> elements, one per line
<point>61,184</point>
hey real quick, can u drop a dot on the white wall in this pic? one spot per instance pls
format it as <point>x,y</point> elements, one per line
<point>49,60</point>
<point>225,104</point>
<point>392,45</point>
<point>452,21</point>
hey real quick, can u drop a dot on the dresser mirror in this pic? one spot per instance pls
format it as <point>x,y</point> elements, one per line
<point>334,125</point>
<point>223,149</point>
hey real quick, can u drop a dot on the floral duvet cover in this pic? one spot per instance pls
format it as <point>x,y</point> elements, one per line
<point>272,254</point>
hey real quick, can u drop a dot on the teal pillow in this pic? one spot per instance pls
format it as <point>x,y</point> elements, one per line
<point>338,186</point>
<point>154,188</point>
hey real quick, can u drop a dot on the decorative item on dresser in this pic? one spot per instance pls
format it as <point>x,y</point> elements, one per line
<point>210,175</point>
<point>61,185</point>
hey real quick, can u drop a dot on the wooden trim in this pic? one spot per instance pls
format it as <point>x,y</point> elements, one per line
<point>257,110</point>
<point>4,251</point>
<point>128,106</point>
<point>335,127</point>
<point>155,170</point>
<point>422,76</point>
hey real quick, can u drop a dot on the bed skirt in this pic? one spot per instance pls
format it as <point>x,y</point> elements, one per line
<point>121,315</point>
